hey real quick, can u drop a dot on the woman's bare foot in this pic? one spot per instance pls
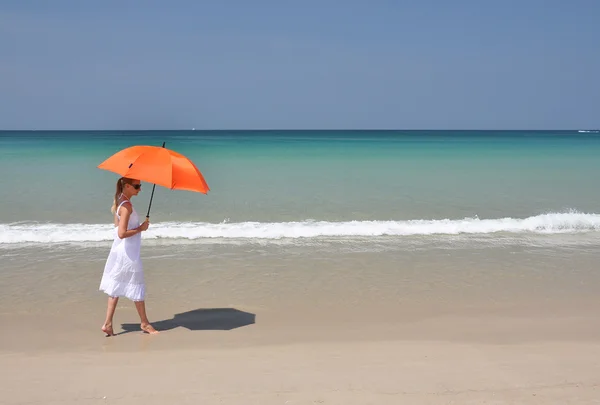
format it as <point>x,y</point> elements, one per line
<point>147,328</point>
<point>108,330</point>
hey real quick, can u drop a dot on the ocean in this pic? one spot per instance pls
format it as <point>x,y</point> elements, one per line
<point>360,188</point>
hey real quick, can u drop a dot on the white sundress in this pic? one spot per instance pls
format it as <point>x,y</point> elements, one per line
<point>123,273</point>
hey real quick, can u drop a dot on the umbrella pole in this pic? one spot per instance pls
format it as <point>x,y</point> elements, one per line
<point>150,205</point>
<point>152,195</point>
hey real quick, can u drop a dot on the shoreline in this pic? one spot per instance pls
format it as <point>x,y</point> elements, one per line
<point>260,326</point>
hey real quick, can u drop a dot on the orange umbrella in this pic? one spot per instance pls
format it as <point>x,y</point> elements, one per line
<point>157,165</point>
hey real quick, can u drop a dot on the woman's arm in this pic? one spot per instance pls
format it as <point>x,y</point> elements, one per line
<point>125,213</point>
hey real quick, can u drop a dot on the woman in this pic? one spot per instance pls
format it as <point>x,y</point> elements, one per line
<point>123,273</point>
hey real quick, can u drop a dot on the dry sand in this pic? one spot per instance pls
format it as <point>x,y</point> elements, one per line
<point>383,372</point>
<point>483,359</point>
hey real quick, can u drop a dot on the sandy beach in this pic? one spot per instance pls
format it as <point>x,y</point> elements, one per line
<point>347,204</point>
<point>361,372</point>
<point>247,329</point>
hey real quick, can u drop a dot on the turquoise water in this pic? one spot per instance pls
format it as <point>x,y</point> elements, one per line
<point>273,184</point>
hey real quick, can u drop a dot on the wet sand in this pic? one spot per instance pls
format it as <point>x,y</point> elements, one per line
<point>257,326</point>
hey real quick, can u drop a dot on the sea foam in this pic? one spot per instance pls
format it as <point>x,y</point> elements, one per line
<point>551,223</point>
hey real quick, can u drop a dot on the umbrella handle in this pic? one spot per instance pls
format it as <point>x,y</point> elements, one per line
<point>150,205</point>
<point>152,195</point>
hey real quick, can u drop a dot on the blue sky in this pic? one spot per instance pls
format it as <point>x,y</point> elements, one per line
<point>460,64</point>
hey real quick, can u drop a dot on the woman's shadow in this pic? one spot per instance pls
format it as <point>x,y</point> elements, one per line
<point>200,319</point>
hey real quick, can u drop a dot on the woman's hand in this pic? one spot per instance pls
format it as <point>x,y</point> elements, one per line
<point>144,225</point>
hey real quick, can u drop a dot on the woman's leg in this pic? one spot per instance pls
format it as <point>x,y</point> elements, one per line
<point>110,311</point>
<point>144,322</point>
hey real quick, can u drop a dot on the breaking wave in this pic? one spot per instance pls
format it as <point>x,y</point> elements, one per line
<point>551,223</point>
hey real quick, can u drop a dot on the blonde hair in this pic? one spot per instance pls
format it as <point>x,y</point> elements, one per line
<point>119,189</point>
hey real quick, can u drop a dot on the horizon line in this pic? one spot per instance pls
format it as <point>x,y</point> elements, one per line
<point>304,129</point>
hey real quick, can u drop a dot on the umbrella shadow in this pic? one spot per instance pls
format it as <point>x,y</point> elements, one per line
<point>200,319</point>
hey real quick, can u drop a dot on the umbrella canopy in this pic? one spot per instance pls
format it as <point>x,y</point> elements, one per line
<point>157,165</point>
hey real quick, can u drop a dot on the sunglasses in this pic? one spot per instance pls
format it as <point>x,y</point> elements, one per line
<point>136,186</point>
